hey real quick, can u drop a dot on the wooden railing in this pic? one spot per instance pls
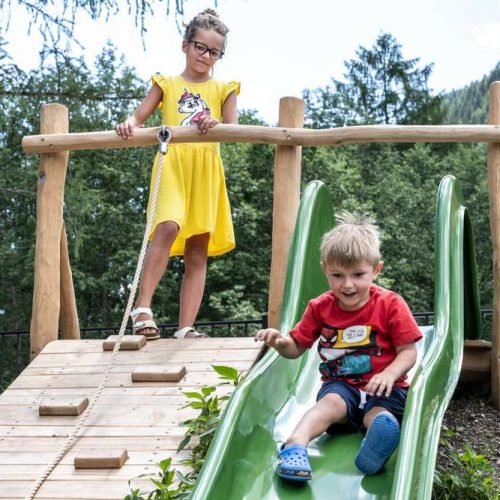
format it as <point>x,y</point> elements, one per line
<point>53,292</point>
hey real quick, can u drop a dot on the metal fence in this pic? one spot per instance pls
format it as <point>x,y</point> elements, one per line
<point>14,345</point>
<point>230,328</point>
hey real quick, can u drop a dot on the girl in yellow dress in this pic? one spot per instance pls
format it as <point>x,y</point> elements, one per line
<point>192,216</point>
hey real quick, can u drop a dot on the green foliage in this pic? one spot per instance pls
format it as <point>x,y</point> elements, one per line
<point>166,488</point>
<point>238,282</point>
<point>105,198</point>
<point>399,186</point>
<point>106,190</point>
<point>229,374</point>
<point>397,182</point>
<point>469,105</point>
<point>470,476</point>
<point>201,429</point>
<point>203,426</point>
<point>381,87</point>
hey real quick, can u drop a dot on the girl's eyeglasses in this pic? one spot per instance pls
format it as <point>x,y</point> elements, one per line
<point>201,49</point>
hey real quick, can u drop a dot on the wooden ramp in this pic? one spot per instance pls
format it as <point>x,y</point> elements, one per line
<point>142,417</point>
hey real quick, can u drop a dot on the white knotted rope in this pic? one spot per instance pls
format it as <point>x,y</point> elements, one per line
<point>164,138</point>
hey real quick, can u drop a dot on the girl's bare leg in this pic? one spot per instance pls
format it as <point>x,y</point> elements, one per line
<point>193,282</point>
<point>155,264</point>
<point>327,411</point>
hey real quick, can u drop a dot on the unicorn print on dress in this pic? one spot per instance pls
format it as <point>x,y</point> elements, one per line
<point>194,106</point>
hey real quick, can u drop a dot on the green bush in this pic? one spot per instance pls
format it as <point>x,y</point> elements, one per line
<point>470,476</point>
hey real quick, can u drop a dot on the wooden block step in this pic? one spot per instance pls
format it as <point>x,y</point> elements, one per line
<point>476,364</point>
<point>157,373</point>
<point>100,459</point>
<point>63,406</point>
<point>129,342</point>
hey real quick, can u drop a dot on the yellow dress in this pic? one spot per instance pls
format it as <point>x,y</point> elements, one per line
<point>192,189</point>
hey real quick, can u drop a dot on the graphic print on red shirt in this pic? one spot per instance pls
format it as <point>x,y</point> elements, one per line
<point>354,345</point>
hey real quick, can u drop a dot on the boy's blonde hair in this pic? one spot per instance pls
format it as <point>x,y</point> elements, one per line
<point>354,239</point>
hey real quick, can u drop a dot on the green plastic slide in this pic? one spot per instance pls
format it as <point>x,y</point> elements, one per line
<point>266,406</point>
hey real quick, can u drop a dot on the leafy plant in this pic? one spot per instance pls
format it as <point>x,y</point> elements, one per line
<point>205,424</point>
<point>201,429</point>
<point>469,478</point>
<point>229,374</point>
<point>165,489</point>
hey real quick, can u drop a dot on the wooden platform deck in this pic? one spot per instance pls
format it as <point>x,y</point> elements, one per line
<point>142,417</point>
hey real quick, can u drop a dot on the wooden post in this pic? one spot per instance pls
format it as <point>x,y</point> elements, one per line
<point>287,170</point>
<point>494,194</point>
<point>68,320</point>
<point>49,210</point>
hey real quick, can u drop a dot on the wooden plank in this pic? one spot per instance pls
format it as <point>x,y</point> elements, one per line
<point>81,477</point>
<point>133,443</point>
<point>476,364</point>
<point>118,380</point>
<point>95,345</point>
<point>41,431</point>
<point>100,459</point>
<point>201,366</point>
<point>106,489</point>
<point>115,401</point>
<point>49,217</point>
<point>286,198</point>
<point>145,419</point>
<point>134,416</point>
<point>138,457</point>
<point>155,373</point>
<point>134,390</point>
<point>253,134</point>
<point>128,343</point>
<point>68,319</point>
<point>69,473</point>
<point>493,162</point>
<point>212,356</point>
<point>62,406</point>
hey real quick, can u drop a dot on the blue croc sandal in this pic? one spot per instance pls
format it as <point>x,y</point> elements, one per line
<point>293,463</point>
<point>381,440</point>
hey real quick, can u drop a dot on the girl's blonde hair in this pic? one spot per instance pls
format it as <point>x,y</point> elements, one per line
<point>206,20</point>
<point>354,239</point>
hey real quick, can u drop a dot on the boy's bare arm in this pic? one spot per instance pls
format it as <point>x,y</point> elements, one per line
<point>383,382</point>
<point>286,346</point>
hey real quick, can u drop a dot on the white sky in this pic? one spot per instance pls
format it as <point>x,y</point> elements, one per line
<point>277,48</point>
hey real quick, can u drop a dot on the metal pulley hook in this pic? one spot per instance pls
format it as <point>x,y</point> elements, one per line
<point>164,136</point>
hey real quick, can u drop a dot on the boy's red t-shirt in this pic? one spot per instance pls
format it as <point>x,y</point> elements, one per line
<point>354,345</point>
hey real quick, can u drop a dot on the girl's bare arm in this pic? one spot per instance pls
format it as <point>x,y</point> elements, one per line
<point>142,113</point>
<point>229,109</point>
<point>229,115</point>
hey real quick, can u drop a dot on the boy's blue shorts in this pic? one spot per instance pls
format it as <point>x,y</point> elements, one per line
<point>356,410</point>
